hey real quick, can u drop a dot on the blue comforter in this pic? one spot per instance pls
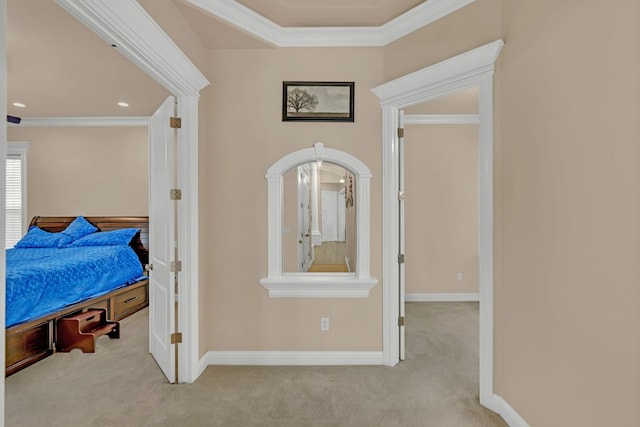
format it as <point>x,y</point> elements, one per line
<point>43,280</point>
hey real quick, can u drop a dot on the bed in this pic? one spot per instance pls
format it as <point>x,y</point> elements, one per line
<point>67,265</point>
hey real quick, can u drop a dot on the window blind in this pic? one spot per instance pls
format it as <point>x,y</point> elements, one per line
<point>14,194</point>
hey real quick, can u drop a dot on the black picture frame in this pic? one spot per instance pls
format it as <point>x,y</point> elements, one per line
<point>318,101</point>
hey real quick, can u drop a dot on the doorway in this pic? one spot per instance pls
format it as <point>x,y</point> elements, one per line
<point>132,31</point>
<point>467,70</point>
<point>439,211</point>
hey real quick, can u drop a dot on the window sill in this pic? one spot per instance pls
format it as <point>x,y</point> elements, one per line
<point>310,285</point>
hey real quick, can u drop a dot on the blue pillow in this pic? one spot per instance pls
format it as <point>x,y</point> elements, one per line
<point>39,238</point>
<point>120,237</point>
<point>79,228</point>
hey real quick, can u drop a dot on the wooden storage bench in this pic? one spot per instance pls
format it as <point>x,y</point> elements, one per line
<point>81,329</point>
<point>29,342</point>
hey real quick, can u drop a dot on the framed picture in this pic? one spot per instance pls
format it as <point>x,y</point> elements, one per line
<point>317,101</point>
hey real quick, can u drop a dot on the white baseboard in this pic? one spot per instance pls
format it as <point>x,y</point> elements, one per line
<point>290,358</point>
<point>441,297</point>
<point>500,406</point>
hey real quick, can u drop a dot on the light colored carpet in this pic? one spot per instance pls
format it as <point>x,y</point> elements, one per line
<point>328,268</point>
<point>329,253</point>
<point>120,385</point>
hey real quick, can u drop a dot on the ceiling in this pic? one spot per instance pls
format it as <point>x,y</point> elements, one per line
<point>59,68</point>
<point>330,13</point>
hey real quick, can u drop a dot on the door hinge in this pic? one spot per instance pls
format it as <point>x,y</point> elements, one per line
<point>175,194</point>
<point>400,132</point>
<point>176,266</point>
<point>400,258</point>
<point>176,338</point>
<point>400,195</point>
<point>175,122</point>
<point>401,321</point>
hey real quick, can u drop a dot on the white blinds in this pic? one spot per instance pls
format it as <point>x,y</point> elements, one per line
<point>14,226</point>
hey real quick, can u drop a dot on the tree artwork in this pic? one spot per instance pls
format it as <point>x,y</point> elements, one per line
<point>299,100</point>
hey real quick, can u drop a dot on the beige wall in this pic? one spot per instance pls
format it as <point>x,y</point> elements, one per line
<point>441,208</point>
<point>470,27</point>
<point>85,170</point>
<point>462,102</point>
<point>567,315</point>
<point>245,135</point>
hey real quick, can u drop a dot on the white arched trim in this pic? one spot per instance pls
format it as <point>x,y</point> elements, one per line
<point>318,285</point>
<point>471,69</point>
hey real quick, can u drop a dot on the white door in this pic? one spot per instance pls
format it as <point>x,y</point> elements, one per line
<point>342,215</point>
<point>161,237</point>
<point>329,216</point>
<point>401,277</point>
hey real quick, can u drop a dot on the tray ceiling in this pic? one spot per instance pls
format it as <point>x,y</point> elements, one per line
<point>60,68</point>
<point>330,13</point>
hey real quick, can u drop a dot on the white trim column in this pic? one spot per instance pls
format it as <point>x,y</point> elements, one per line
<point>188,236</point>
<point>485,239</point>
<point>390,239</point>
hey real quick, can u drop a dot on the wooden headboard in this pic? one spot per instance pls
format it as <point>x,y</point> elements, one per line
<point>104,223</point>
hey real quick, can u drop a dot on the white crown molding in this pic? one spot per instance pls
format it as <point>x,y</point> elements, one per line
<point>125,24</point>
<point>291,358</point>
<point>454,74</point>
<point>442,119</point>
<point>82,121</point>
<point>442,297</point>
<point>256,24</point>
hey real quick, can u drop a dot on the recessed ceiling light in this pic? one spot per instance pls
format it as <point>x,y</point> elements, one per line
<point>341,181</point>
<point>123,104</point>
<point>19,104</point>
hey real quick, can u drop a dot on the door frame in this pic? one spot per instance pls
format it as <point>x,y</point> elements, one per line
<point>305,248</point>
<point>474,68</point>
<point>138,37</point>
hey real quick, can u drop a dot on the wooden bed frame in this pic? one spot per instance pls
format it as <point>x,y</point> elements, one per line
<point>29,342</point>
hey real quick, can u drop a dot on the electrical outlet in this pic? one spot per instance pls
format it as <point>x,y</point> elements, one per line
<point>324,323</point>
<point>459,276</point>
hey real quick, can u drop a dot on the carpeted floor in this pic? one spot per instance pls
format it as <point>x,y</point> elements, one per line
<point>329,253</point>
<point>334,268</point>
<point>120,385</point>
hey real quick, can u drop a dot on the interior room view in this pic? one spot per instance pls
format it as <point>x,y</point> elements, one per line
<point>353,213</point>
<point>320,216</point>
